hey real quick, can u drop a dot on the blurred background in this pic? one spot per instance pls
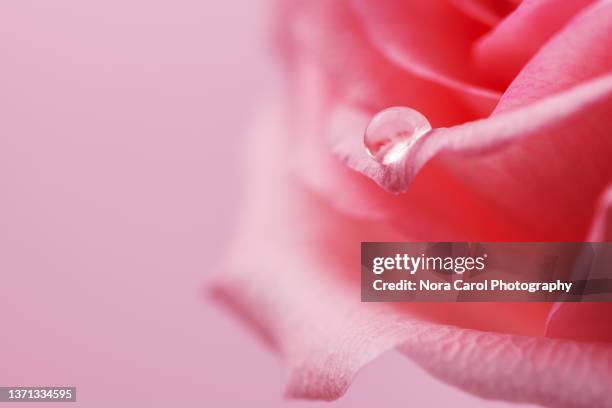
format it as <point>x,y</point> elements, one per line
<point>121,127</point>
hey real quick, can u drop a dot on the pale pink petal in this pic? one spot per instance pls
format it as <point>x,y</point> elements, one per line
<point>328,105</point>
<point>403,33</point>
<point>587,321</point>
<point>504,51</point>
<point>554,373</point>
<point>282,279</point>
<point>579,52</point>
<point>521,163</point>
<point>320,335</point>
<point>313,162</point>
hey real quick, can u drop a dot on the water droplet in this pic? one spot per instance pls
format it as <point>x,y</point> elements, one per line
<point>392,131</point>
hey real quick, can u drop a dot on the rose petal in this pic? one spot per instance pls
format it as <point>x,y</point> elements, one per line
<point>284,280</point>
<point>428,198</point>
<point>273,255</point>
<point>488,12</point>
<point>321,38</point>
<point>315,165</point>
<point>330,36</point>
<point>312,119</point>
<point>402,32</point>
<point>504,51</point>
<point>579,52</point>
<point>580,321</point>
<point>348,191</point>
<point>520,164</point>
<point>587,321</point>
<point>601,229</point>
<point>554,373</point>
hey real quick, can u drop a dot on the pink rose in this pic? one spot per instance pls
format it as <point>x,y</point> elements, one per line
<point>519,98</point>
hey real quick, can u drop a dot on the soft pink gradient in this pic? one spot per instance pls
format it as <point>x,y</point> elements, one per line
<point>120,127</point>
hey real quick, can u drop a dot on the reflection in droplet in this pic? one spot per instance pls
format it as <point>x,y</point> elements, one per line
<point>392,131</point>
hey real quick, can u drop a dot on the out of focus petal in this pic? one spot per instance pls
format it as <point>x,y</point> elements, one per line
<point>587,321</point>
<point>403,33</point>
<point>331,35</point>
<point>579,52</point>
<point>502,53</point>
<point>487,12</point>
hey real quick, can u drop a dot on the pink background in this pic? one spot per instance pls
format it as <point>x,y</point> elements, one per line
<point>120,124</point>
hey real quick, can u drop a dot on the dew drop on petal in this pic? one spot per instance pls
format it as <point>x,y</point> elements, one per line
<point>392,131</point>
